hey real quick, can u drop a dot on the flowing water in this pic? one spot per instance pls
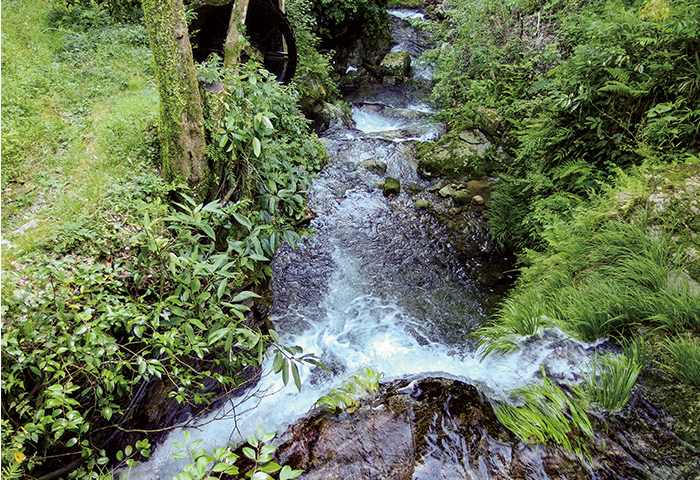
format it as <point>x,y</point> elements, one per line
<point>380,284</point>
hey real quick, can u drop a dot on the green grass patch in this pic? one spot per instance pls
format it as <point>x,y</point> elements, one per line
<point>78,105</point>
<point>681,358</point>
<point>549,415</point>
<point>610,380</point>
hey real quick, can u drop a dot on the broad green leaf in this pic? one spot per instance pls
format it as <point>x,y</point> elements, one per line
<point>243,220</point>
<point>257,146</point>
<point>249,452</point>
<point>278,363</point>
<point>218,335</point>
<point>245,295</point>
<point>260,476</point>
<point>209,231</point>
<point>287,473</point>
<point>295,373</point>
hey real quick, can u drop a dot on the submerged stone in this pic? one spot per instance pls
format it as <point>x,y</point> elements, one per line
<point>374,165</point>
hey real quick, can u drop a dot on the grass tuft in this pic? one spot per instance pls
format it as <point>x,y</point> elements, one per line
<point>548,415</point>
<point>681,358</point>
<point>610,381</point>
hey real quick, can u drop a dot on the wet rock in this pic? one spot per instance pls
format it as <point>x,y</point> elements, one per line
<point>481,188</point>
<point>391,186</point>
<point>478,200</point>
<point>326,115</point>
<point>448,191</point>
<point>462,197</point>
<point>421,204</point>
<point>439,428</point>
<point>396,65</point>
<point>374,165</point>
<point>464,156</point>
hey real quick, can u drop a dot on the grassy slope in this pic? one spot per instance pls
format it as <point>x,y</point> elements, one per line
<point>75,106</point>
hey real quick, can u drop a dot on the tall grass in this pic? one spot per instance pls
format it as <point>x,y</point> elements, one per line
<point>610,380</point>
<point>608,277</point>
<point>548,415</point>
<point>681,358</point>
<point>518,317</point>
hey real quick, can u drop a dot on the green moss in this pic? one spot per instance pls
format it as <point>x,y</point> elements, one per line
<point>682,402</point>
<point>404,4</point>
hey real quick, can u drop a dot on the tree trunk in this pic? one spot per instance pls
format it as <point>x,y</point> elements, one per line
<point>233,46</point>
<point>181,129</point>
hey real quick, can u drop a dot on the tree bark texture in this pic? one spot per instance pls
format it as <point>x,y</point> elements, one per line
<point>232,46</point>
<point>181,128</point>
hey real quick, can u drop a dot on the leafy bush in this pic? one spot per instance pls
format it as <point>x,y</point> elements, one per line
<point>336,19</point>
<point>92,13</point>
<point>224,460</point>
<point>82,338</point>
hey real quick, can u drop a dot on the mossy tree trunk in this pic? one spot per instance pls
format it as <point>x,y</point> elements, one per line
<point>233,46</point>
<point>181,129</point>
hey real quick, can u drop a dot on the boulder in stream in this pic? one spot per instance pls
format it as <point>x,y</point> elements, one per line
<point>374,165</point>
<point>455,157</point>
<point>396,65</point>
<point>391,186</point>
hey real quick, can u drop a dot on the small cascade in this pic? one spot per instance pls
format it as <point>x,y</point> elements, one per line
<point>381,284</point>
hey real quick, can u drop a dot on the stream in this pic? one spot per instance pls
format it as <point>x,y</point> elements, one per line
<point>380,284</point>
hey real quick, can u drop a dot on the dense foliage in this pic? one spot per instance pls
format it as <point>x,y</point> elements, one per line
<point>598,112</point>
<point>582,89</point>
<point>116,287</point>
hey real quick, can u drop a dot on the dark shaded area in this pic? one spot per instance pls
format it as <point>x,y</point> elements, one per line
<point>267,28</point>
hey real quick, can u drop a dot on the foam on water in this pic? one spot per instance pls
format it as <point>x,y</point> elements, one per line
<point>358,330</point>
<point>406,14</point>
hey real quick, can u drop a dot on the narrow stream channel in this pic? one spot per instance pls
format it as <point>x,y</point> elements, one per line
<point>379,284</point>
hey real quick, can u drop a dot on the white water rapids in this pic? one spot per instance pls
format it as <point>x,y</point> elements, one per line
<point>377,286</point>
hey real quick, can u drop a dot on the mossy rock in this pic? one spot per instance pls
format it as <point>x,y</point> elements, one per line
<point>421,204</point>
<point>396,65</point>
<point>489,120</point>
<point>462,197</point>
<point>456,160</point>
<point>374,165</point>
<point>391,186</point>
<point>456,155</point>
